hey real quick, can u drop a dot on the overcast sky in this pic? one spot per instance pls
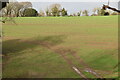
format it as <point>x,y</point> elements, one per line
<point>72,6</point>
<point>70,0</point>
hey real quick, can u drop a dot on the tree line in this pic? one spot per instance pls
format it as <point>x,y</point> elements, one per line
<point>25,9</point>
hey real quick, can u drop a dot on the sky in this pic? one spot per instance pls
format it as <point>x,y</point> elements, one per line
<point>69,0</point>
<point>72,6</point>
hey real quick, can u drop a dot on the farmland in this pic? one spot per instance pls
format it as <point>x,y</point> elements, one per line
<point>61,47</point>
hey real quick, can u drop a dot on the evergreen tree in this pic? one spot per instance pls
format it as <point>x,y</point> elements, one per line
<point>64,12</point>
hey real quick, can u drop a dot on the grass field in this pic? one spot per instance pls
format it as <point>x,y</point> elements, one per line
<point>61,47</point>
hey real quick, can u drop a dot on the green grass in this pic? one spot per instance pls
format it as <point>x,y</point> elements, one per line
<point>29,47</point>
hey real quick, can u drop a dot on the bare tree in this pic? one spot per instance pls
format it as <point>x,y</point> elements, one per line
<point>8,9</point>
<point>79,13</point>
<point>25,5</point>
<point>55,9</point>
<point>74,14</point>
<point>41,13</point>
<point>100,11</point>
<point>55,5</point>
<point>48,13</point>
<point>85,13</point>
<point>16,8</point>
<point>94,10</point>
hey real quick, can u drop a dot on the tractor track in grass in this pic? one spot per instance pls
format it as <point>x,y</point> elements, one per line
<point>81,62</point>
<point>78,71</point>
<point>62,52</point>
<point>87,67</point>
<point>64,56</point>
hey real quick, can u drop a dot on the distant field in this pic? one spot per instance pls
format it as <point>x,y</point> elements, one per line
<point>61,47</point>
